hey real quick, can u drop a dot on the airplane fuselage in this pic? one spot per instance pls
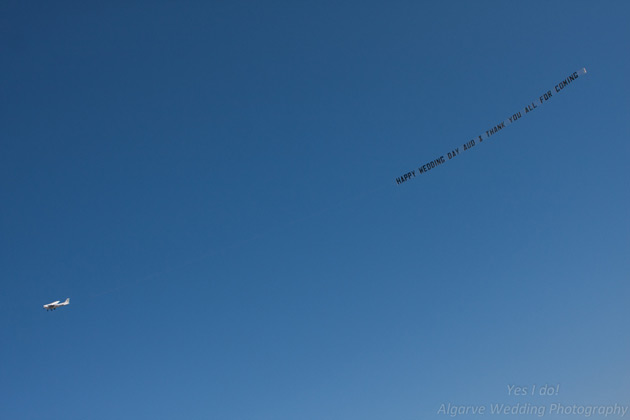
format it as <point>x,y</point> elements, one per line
<point>54,305</point>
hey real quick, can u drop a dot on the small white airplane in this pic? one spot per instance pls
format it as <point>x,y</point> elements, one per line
<point>54,305</point>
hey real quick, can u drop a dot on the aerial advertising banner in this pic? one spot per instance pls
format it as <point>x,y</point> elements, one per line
<point>456,152</point>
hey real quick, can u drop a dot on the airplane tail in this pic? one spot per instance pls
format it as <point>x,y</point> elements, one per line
<point>67,302</point>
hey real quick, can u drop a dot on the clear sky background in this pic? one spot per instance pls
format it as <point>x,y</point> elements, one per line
<point>213,186</point>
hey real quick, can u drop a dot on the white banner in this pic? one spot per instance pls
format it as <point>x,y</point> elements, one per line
<point>493,130</point>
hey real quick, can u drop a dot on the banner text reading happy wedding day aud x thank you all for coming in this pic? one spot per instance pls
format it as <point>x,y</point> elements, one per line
<point>492,131</point>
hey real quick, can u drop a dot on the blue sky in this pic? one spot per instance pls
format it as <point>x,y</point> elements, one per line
<point>213,186</point>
